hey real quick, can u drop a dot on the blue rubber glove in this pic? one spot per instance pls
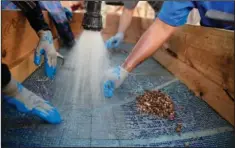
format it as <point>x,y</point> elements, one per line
<point>27,102</point>
<point>114,77</point>
<point>47,49</point>
<point>68,13</point>
<point>115,41</point>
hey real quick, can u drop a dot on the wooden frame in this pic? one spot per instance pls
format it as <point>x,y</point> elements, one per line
<point>202,58</point>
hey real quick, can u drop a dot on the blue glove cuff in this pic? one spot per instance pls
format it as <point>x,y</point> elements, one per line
<point>50,71</point>
<point>52,116</point>
<point>37,58</point>
<point>108,89</point>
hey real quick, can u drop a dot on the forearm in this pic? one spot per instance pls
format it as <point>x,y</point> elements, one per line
<point>150,41</point>
<point>125,20</point>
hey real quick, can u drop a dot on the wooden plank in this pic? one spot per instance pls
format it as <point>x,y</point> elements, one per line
<point>210,91</point>
<point>24,69</point>
<point>18,38</point>
<point>210,51</point>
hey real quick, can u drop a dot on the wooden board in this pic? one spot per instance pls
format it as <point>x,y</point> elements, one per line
<point>18,38</point>
<point>21,71</point>
<point>209,51</point>
<point>207,89</point>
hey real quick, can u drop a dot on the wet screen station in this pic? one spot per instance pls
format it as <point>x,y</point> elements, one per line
<point>182,95</point>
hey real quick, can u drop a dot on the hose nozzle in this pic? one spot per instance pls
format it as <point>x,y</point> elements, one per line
<point>92,19</point>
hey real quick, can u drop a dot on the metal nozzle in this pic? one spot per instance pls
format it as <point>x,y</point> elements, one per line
<point>92,19</point>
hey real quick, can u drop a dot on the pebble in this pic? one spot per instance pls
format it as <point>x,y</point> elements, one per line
<point>186,144</point>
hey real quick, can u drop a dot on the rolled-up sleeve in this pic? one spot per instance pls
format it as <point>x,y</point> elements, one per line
<point>175,13</point>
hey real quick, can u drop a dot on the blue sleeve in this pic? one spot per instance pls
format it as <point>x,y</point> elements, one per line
<point>175,13</point>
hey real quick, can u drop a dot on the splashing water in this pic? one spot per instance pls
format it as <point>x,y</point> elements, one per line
<point>92,61</point>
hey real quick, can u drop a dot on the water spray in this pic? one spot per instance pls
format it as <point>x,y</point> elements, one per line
<point>91,56</point>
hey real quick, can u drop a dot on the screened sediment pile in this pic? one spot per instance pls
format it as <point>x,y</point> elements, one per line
<point>156,103</point>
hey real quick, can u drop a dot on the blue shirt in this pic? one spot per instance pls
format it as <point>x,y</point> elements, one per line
<point>176,13</point>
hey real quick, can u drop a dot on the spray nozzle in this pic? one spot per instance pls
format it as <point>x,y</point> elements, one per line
<point>92,19</point>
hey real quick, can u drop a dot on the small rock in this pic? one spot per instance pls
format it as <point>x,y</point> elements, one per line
<point>172,116</point>
<point>179,128</point>
<point>186,144</point>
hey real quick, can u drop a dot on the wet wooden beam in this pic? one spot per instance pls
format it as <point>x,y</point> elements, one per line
<point>203,87</point>
<point>210,51</point>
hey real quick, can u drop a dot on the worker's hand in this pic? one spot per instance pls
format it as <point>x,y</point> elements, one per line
<point>115,41</point>
<point>27,102</point>
<point>114,77</point>
<point>68,13</point>
<point>46,48</point>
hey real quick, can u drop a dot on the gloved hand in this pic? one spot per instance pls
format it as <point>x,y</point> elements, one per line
<point>46,47</point>
<point>28,102</point>
<point>115,41</point>
<point>114,77</point>
<point>68,13</point>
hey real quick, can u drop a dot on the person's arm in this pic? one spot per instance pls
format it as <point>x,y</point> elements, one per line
<point>126,17</point>
<point>125,20</point>
<point>172,15</point>
<point>124,23</point>
<point>151,40</point>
